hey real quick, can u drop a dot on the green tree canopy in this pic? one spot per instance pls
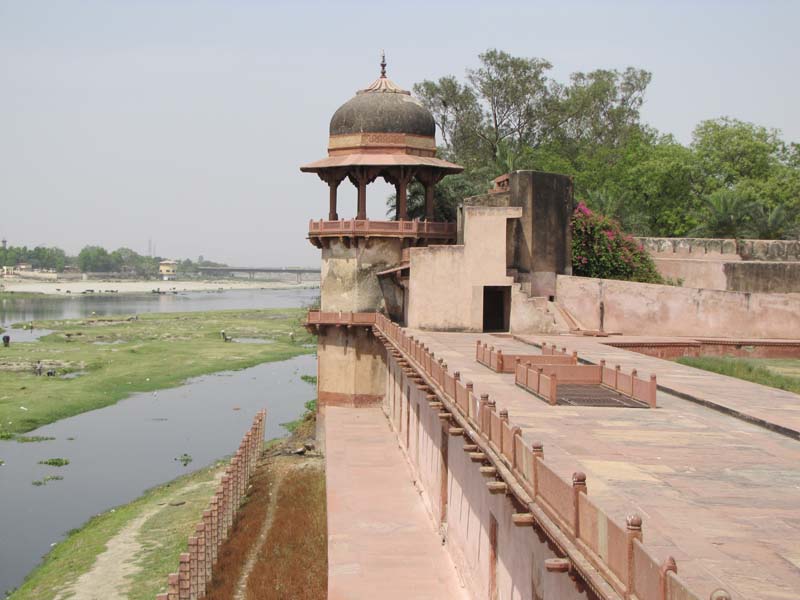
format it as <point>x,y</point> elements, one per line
<point>509,113</point>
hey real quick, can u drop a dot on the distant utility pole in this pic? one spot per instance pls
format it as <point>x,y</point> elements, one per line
<point>150,247</point>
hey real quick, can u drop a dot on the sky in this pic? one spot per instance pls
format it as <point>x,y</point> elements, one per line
<point>185,122</point>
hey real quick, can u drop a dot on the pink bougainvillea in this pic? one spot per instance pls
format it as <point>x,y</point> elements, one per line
<point>601,249</point>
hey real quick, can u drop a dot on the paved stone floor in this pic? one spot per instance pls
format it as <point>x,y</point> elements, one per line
<point>749,399</point>
<point>381,541</point>
<point>719,494</point>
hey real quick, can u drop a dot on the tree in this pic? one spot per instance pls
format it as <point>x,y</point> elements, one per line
<point>724,214</point>
<point>508,113</point>
<point>95,259</point>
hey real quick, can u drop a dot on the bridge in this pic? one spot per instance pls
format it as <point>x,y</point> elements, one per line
<point>251,271</point>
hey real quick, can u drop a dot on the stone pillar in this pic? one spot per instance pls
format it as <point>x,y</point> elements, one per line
<point>401,189</point>
<point>333,187</point>
<point>362,199</point>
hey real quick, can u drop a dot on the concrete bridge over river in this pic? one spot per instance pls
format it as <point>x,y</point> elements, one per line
<point>299,272</point>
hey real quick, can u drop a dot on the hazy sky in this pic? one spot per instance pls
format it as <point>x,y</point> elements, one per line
<point>186,122</point>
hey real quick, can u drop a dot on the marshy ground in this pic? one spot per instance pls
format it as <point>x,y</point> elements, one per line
<point>98,361</point>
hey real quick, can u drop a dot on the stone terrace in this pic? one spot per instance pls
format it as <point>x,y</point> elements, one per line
<point>719,494</point>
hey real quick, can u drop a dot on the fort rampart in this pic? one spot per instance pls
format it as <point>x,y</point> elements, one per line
<point>510,521</point>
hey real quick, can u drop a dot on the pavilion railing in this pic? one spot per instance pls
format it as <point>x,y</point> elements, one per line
<point>367,227</point>
<point>616,551</point>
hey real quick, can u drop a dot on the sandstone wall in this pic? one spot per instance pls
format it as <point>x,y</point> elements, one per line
<point>446,282</point>
<point>456,496</point>
<point>349,281</point>
<point>350,367</point>
<point>726,264</point>
<point>647,309</point>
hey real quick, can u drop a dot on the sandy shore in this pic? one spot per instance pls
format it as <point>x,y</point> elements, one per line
<point>138,287</point>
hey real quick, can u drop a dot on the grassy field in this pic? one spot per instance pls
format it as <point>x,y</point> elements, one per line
<point>780,373</point>
<point>111,357</point>
<point>169,514</point>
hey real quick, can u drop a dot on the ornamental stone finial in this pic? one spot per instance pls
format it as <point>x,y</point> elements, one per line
<point>383,64</point>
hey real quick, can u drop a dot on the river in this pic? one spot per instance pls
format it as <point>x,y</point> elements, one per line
<point>118,452</point>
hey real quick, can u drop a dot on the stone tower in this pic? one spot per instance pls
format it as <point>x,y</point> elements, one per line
<point>381,132</point>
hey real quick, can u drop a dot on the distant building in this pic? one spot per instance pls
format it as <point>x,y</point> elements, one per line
<point>168,269</point>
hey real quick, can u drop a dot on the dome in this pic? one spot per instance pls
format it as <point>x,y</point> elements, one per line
<point>383,107</point>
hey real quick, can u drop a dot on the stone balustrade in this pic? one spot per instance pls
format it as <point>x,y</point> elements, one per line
<point>350,228</point>
<point>593,543</point>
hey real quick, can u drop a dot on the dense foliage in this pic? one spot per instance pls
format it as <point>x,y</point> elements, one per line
<point>601,249</point>
<point>510,114</point>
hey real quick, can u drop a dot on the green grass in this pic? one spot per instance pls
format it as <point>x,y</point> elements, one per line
<point>783,374</point>
<point>154,352</point>
<point>163,537</point>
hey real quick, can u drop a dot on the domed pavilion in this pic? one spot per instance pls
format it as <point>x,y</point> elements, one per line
<point>383,131</point>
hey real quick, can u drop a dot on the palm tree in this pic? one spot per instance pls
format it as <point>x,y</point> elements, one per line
<point>725,213</point>
<point>771,223</point>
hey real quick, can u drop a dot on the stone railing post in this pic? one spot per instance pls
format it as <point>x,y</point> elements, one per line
<point>202,558</point>
<point>653,391</point>
<point>483,406</point>
<point>553,389</point>
<point>209,543</point>
<point>499,361</point>
<point>537,449</point>
<point>193,567</point>
<point>214,525</point>
<point>617,370</point>
<point>173,586</point>
<point>184,576</point>
<point>516,430</point>
<point>633,532</point>
<point>578,488</point>
<point>634,376</point>
<point>470,388</point>
<point>669,565</point>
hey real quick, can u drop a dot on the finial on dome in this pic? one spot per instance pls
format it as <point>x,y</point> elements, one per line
<point>383,64</point>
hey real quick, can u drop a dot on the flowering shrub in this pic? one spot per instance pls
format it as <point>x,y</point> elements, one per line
<point>601,249</point>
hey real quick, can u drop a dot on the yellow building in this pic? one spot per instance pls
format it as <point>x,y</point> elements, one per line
<point>168,269</point>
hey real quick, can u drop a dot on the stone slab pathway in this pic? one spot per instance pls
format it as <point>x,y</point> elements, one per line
<point>381,541</point>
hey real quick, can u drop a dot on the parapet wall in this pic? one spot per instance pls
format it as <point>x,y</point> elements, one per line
<point>780,250</point>
<point>514,527</point>
<point>662,310</point>
<point>771,266</point>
